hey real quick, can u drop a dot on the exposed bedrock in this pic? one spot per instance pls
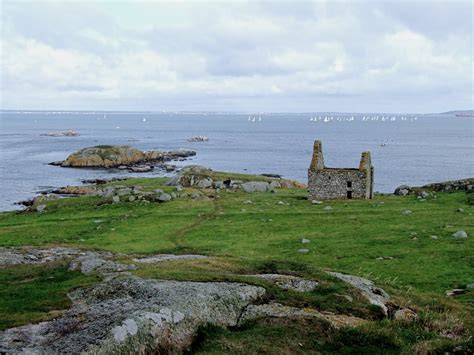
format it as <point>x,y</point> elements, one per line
<point>127,314</point>
<point>110,156</point>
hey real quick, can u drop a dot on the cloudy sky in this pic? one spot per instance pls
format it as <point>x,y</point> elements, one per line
<point>299,56</point>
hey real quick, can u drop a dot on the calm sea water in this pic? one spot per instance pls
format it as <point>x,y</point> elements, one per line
<point>409,149</point>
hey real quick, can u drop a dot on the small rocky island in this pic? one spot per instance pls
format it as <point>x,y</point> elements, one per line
<point>70,133</point>
<point>121,156</point>
<point>198,139</point>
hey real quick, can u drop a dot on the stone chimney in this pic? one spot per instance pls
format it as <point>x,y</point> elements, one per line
<point>317,162</point>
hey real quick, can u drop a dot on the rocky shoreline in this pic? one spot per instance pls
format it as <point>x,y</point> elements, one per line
<point>190,176</point>
<point>466,185</point>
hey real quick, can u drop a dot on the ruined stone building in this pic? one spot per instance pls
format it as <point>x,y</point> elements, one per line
<point>339,183</point>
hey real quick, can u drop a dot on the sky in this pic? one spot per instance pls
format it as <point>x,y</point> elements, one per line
<point>243,56</point>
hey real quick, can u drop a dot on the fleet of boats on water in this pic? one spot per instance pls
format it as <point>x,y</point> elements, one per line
<point>331,118</point>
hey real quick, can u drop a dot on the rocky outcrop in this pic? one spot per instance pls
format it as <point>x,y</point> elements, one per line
<point>373,294</point>
<point>34,202</point>
<point>127,314</point>
<point>446,186</point>
<point>289,282</point>
<point>76,190</point>
<point>105,156</point>
<point>111,156</point>
<point>402,190</point>
<point>255,186</point>
<point>84,261</point>
<point>202,177</point>
<point>276,310</point>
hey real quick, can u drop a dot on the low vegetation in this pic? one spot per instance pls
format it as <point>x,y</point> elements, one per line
<point>413,256</point>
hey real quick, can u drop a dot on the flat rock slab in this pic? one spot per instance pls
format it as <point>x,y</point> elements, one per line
<point>128,314</point>
<point>167,257</point>
<point>280,311</point>
<point>288,282</point>
<point>84,261</point>
<point>12,256</point>
<point>373,294</point>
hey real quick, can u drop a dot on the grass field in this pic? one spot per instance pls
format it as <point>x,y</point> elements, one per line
<point>245,233</point>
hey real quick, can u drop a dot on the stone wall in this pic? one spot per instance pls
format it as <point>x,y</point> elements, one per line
<point>333,184</point>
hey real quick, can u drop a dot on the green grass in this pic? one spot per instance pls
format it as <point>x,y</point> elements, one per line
<point>264,236</point>
<point>36,293</point>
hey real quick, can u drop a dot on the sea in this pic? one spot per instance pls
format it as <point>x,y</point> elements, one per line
<point>412,149</point>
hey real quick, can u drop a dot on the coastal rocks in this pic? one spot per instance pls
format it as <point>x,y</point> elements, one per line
<point>451,186</point>
<point>202,177</point>
<point>132,315</point>
<point>402,190</point>
<point>141,168</point>
<point>112,156</point>
<point>41,200</point>
<point>102,181</point>
<point>76,190</point>
<point>40,208</point>
<point>70,133</point>
<point>167,257</point>
<point>276,310</point>
<point>164,197</point>
<point>119,193</point>
<point>255,186</point>
<point>460,234</point>
<point>105,156</point>
<point>204,183</point>
<point>289,282</point>
<point>198,139</point>
<point>446,186</point>
<point>423,194</point>
<point>178,153</point>
<point>373,294</point>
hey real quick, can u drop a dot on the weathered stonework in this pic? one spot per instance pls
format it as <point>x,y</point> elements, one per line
<point>339,183</point>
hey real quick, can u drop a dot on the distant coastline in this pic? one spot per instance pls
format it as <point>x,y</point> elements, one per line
<point>460,113</point>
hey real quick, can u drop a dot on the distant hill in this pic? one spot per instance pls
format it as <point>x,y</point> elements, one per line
<point>462,113</point>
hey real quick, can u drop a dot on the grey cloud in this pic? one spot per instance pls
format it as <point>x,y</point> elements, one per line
<point>338,54</point>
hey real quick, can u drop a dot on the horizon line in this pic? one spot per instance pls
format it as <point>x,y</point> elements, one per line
<point>222,112</point>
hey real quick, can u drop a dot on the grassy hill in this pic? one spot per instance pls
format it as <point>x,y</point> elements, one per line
<point>413,256</point>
